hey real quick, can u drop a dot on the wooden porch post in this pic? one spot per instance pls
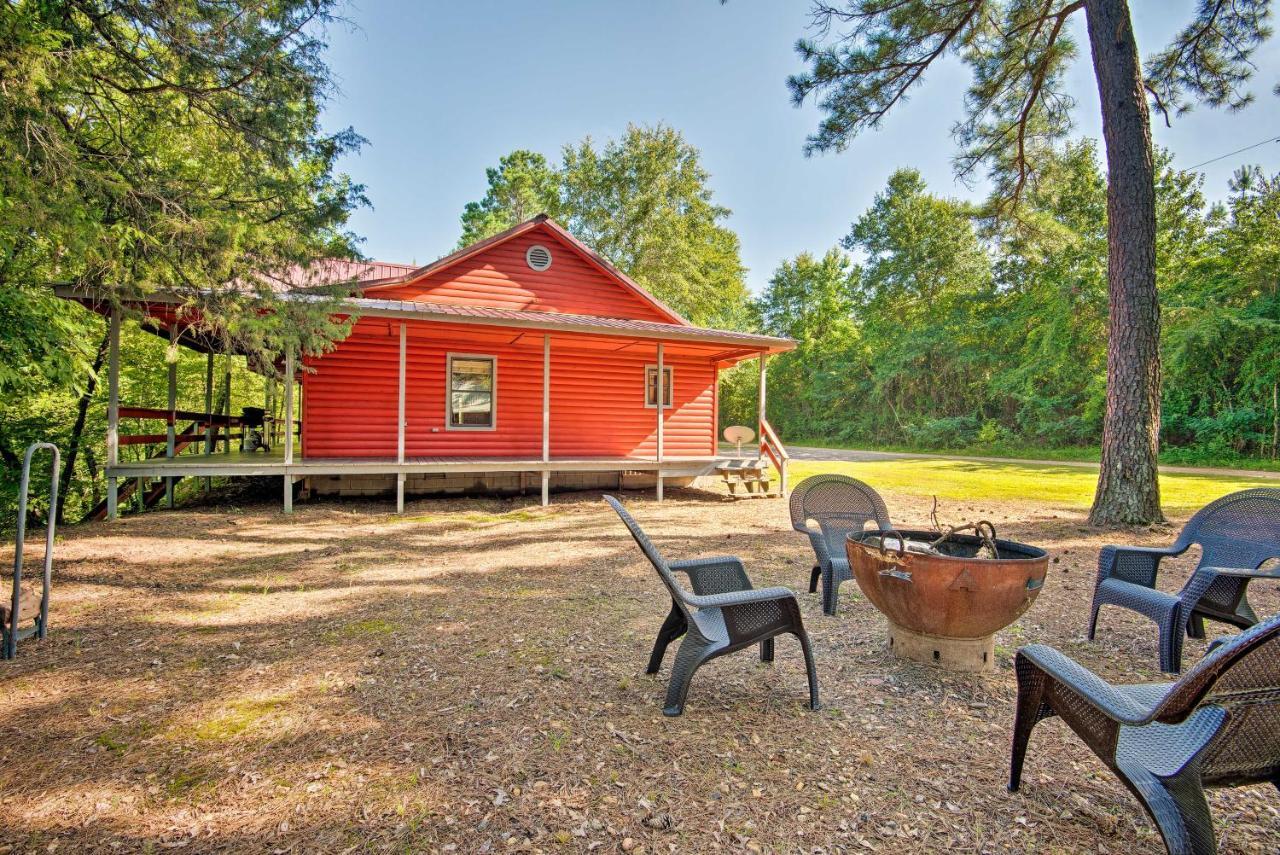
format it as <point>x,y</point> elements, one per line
<point>288,431</point>
<point>226,389</point>
<point>763,391</point>
<point>546,418</point>
<point>208,412</point>
<point>659,400</point>
<point>400,421</point>
<point>113,413</point>
<point>170,438</point>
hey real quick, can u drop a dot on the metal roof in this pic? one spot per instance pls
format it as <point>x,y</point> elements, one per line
<point>591,324</point>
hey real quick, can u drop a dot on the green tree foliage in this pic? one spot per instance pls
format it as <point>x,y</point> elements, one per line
<point>1222,348</point>
<point>644,202</point>
<point>522,186</point>
<point>159,146</point>
<point>869,54</point>
<point>154,145</point>
<point>960,330</point>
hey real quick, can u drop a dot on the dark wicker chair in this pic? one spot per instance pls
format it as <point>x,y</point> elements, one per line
<point>1218,726</point>
<point>827,508</point>
<point>1238,530</point>
<point>722,615</point>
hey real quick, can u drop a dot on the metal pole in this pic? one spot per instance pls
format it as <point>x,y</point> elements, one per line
<point>113,414</point>
<point>400,419</point>
<point>170,438</point>
<point>11,643</point>
<point>659,398</point>
<point>288,430</point>
<point>546,418</point>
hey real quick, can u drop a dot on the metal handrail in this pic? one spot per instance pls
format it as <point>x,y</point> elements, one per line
<point>11,641</point>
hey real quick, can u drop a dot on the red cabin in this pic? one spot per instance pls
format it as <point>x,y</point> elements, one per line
<point>526,354</point>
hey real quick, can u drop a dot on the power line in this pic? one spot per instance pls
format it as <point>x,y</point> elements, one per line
<point>1271,139</point>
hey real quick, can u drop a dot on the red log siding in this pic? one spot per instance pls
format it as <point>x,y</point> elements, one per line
<point>597,397</point>
<point>500,278</point>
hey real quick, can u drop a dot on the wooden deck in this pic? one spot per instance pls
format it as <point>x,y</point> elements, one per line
<point>238,463</point>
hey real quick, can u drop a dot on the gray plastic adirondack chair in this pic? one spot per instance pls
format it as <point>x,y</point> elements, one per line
<point>1239,530</point>
<point>1218,726</point>
<point>836,505</point>
<point>722,615</point>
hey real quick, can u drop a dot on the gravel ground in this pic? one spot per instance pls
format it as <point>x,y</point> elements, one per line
<point>469,678</point>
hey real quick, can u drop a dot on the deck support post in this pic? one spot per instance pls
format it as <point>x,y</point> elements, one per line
<point>208,412</point>
<point>660,400</point>
<point>288,430</point>
<point>226,390</point>
<point>546,418</point>
<point>400,426</point>
<point>170,438</point>
<point>764,374</point>
<point>113,412</point>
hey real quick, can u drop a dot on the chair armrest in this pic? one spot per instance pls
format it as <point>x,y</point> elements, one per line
<point>735,598</point>
<point>1074,678</point>
<point>1136,564</point>
<point>819,542</point>
<point>718,574</point>
<point>1197,586</point>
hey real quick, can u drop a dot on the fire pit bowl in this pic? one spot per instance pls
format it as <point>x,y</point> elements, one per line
<point>946,608</point>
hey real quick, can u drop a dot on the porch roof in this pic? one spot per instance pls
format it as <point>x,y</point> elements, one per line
<point>557,322</point>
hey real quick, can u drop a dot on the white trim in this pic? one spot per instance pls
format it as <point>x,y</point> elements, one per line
<point>670,370</point>
<point>448,392</point>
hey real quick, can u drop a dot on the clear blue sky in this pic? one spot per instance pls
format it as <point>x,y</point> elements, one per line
<point>442,90</point>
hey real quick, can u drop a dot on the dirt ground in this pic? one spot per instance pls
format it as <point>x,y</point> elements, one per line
<point>470,678</point>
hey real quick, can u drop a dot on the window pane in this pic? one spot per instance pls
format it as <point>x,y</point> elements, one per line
<point>472,408</point>
<point>650,386</point>
<point>473,374</point>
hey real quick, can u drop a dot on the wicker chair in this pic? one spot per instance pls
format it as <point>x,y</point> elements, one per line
<point>1218,726</point>
<point>1239,530</point>
<point>722,615</point>
<point>836,505</point>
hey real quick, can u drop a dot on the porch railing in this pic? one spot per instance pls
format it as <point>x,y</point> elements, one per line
<point>772,447</point>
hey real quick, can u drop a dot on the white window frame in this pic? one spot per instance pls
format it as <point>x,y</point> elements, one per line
<point>669,400</point>
<point>448,392</point>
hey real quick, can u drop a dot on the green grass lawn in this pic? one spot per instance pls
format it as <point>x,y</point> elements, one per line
<point>1169,456</point>
<point>1057,486</point>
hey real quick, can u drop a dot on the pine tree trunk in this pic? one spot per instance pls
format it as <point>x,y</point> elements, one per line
<point>1128,484</point>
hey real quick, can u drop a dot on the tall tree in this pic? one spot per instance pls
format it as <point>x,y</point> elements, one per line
<point>869,54</point>
<point>175,145</point>
<point>521,186</point>
<point>644,202</point>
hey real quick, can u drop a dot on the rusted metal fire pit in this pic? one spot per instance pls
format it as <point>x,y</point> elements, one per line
<point>946,608</point>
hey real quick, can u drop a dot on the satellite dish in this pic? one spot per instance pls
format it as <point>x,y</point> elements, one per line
<point>738,434</point>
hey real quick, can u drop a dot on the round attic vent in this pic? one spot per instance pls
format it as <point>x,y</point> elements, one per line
<point>538,257</point>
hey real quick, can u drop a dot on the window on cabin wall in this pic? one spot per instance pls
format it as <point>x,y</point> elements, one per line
<point>473,391</point>
<point>651,386</point>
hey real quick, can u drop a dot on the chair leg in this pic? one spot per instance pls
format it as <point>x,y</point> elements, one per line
<point>1093,619</point>
<point>1171,635</point>
<point>766,650</point>
<point>1195,626</point>
<point>689,658</point>
<point>830,590</point>
<point>1030,694</point>
<point>672,628</point>
<point>814,576</point>
<point>1177,806</point>
<point>812,672</point>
